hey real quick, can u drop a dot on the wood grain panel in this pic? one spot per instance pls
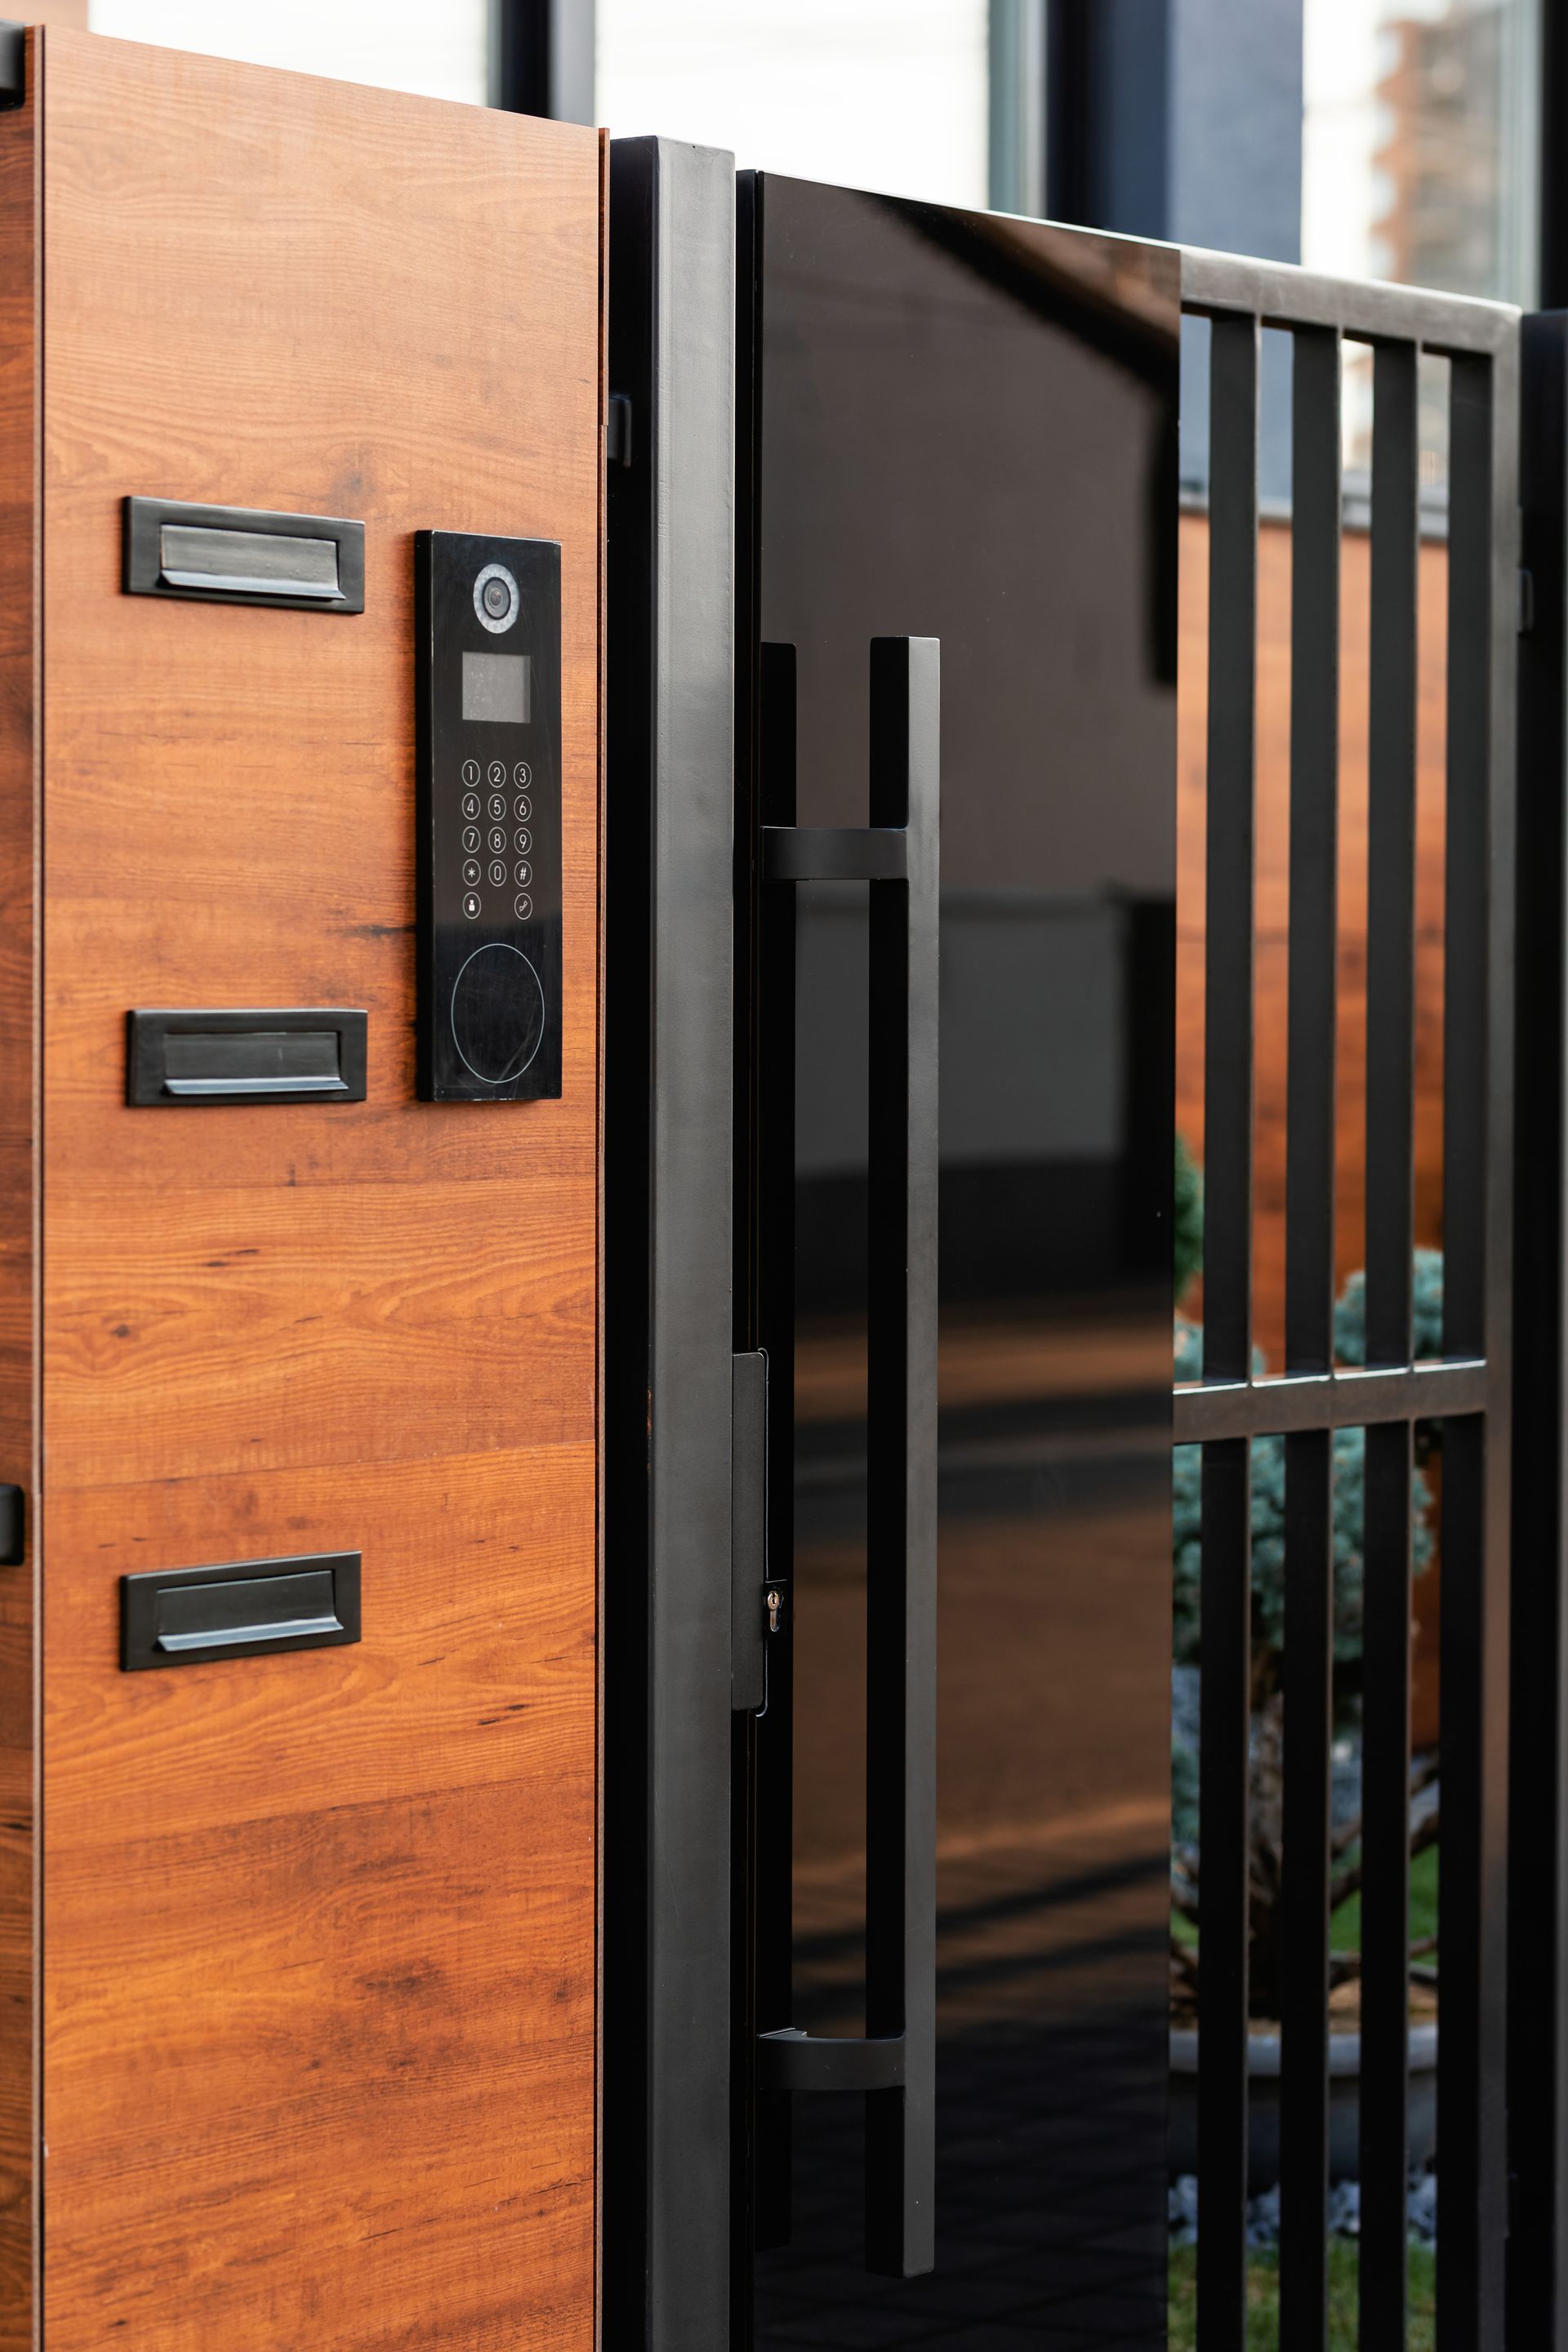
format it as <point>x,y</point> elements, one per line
<point>18,354</point>
<point>320,2007</point>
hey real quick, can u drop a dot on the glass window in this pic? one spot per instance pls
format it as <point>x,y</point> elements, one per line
<point>1419,149</point>
<point>887,94</point>
<point>439,52</point>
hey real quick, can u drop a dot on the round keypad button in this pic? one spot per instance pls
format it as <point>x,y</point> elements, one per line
<point>470,772</point>
<point>498,872</point>
<point>497,772</point>
<point>523,906</point>
<point>472,905</point>
<point>523,873</point>
<point>498,805</point>
<point>470,871</point>
<point>470,837</point>
<point>498,838</point>
<point>522,774</point>
<point>470,804</point>
<point>522,841</point>
<point>522,808</point>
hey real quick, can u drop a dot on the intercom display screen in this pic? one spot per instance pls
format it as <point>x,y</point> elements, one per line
<point>499,689</point>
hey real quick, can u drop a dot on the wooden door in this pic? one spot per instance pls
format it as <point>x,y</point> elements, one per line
<point>313,1960</point>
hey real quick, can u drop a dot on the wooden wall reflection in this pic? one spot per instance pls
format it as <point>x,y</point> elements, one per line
<point>1270,997</point>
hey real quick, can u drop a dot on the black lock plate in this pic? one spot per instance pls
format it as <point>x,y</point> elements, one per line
<point>487,622</point>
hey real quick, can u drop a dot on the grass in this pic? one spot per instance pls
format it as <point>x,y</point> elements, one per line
<point>1263,2298</point>
<point>1344,1928</point>
<point>1263,2265</point>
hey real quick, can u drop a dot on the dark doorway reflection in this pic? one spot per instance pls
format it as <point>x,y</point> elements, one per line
<point>967,429</point>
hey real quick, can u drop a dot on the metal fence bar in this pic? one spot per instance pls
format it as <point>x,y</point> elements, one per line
<point>1467,856</point>
<point>1389,1158</point>
<point>1472,2207</point>
<point>1472,1897</point>
<point>1391,859</point>
<point>1385,1891</point>
<point>1314,851</point>
<point>1353,1400</point>
<point>1219,284</point>
<point>1226,1638</point>
<point>1228,923</point>
<point>1309,1338</point>
<point>1308,1677</point>
<point>1538,1889</point>
<point>1226,1650</point>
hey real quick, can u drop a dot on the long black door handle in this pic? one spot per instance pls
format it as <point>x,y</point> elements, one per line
<point>898,854</point>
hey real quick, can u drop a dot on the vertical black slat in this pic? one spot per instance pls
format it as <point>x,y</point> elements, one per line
<point>1228,970</point>
<point>1226,1653</point>
<point>1472,2208</point>
<point>1472,1903</point>
<point>1308,1678</point>
<point>1467,857</point>
<point>900,1546</point>
<point>1391,857</point>
<point>1386,1890</point>
<point>1390,1160</point>
<point>775,1086</point>
<point>1314,850</point>
<point>1309,1338</point>
<point>1538,1816</point>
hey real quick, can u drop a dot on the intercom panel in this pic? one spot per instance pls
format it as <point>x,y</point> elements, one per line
<point>488,630</point>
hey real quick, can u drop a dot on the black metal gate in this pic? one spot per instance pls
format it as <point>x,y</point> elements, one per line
<point>703,2058</point>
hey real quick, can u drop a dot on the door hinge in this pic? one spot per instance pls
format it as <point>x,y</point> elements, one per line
<point>618,430</point>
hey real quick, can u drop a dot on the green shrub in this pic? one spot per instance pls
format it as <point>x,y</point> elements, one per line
<point>1269,1529</point>
<point>1427,1310</point>
<point>1187,1222</point>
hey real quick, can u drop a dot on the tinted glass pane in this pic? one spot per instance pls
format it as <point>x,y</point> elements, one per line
<point>968,432</point>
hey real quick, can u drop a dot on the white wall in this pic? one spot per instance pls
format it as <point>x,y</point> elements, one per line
<point>883,94</point>
<point>437,47</point>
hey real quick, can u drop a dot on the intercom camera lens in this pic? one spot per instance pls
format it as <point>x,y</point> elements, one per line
<point>496,600</point>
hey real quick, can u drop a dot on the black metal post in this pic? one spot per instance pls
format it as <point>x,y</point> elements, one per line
<point>542,58</point>
<point>669,1049</point>
<point>1538,1859</point>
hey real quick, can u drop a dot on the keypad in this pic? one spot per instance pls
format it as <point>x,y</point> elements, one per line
<point>499,847</point>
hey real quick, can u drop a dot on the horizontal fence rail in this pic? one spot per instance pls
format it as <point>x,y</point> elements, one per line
<point>1463,1397</point>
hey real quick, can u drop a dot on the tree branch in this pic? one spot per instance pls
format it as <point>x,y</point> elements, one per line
<point>1349,1882</point>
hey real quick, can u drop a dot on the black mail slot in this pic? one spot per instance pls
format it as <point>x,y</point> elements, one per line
<point>246,1609</point>
<point>300,1054</point>
<point>243,555</point>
